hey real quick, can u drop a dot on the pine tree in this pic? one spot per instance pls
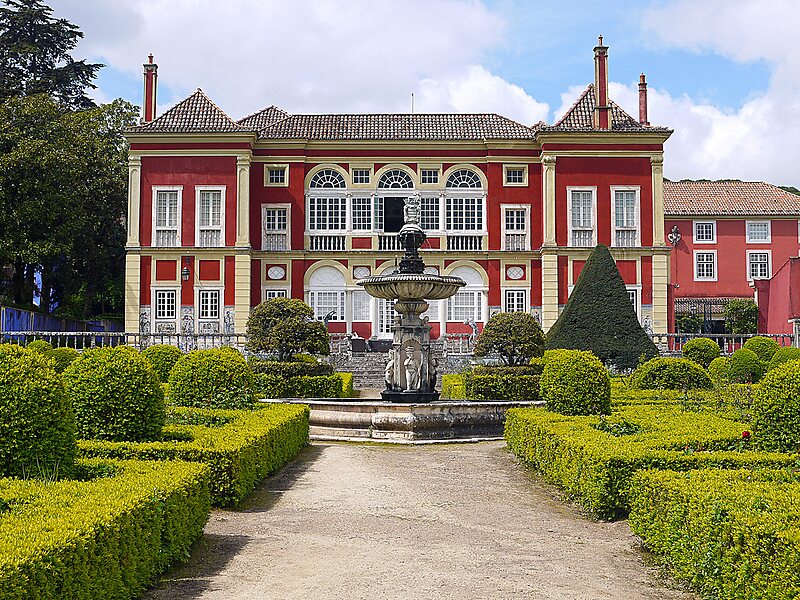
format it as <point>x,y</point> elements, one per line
<point>599,316</point>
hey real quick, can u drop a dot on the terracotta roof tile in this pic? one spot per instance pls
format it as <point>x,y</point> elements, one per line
<point>196,114</point>
<point>263,118</point>
<point>728,198</point>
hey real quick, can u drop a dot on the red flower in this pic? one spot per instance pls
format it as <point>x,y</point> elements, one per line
<point>745,435</point>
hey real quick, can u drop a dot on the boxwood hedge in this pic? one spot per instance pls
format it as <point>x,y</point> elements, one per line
<point>106,536</point>
<point>453,387</point>
<point>302,386</point>
<point>776,409</point>
<point>665,373</point>
<point>701,350</point>
<point>506,388</point>
<point>241,447</point>
<point>163,357</point>
<point>213,378</point>
<point>575,382</point>
<point>763,346</point>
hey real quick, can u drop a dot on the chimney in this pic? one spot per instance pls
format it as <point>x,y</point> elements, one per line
<point>150,87</point>
<point>602,111</point>
<point>643,101</point>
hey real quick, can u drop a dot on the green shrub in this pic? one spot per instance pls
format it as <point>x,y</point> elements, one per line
<point>163,357</point>
<point>302,386</point>
<point>507,388</point>
<point>741,315</point>
<point>783,355</point>
<point>214,378</point>
<point>575,382</point>
<point>731,534</point>
<point>241,447</point>
<point>670,374</point>
<point>532,368</point>
<point>37,427</point>
<point>347,385</point>
<point>40,346</point>
<point>107,537</point>
<point>115,395</point>
<point>719,368</point>
<point>701,350</point>
<point>285,327</point>
<point>745,367</point>
<point>62,357</point>
<point>776,409</point>
<point>453,387</point>
<point>595,466</point>
<point>516,337</point>
<point>764,347</point>
<point>290,369</point>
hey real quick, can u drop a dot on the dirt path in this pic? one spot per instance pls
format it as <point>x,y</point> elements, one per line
<point>380,522</point>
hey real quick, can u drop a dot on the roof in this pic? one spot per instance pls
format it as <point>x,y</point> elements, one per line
<point>262,118</point>
<point>580,117</point>
<point>404,126</point>
<point>196,114</point>
<point>728,198</point>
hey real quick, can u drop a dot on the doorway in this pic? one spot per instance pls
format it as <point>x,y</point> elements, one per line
<point>393,214</point>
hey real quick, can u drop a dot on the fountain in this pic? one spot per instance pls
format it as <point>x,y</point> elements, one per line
<point>411,369</point>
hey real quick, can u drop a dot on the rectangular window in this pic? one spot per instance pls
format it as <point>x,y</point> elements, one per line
<point>705,266</point>
<point>327,303</point>
<point>361,176</point>
<point>429,213</point>
<point>625,218</point>
<point>270,294</point>
<point>705,232</point>
<point>166,304</point>
<point>758,266</point>
<point>209,304</point>
<point>362,213</point>
<point>378,214</point>
<point>464,213</point>
<point>465,307</point>
<point>433,311</point>
<point>167,211</point>
<point>209,218</point>
<point>516,301</point>
<point>633,296</point>
<point>515,224</point>
<point>275,228</point>
<point>515,175</point>
<point>327,213</point>
<point>758,232</point>
<point>581,217</point>
<point>429,176</point>
<point>361,304</point>
<point>277,175</point>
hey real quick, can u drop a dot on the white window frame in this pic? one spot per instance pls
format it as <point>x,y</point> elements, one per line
<point>758,221</point>
<point>179,216</point>
<point>694,265</point>
<point>637,306</point>
<point>340,306</point>
<point>221,227</point>
<point>369,204</point>
<point>276,166</point>
<point>593,190</point>
<point>154,301</point>
<point>749,263</point>
<point>436,168</point>
<point>478,301</point>
<point>504,208</point>
<point>513,167</point>
<point>340,196</point>
<point>198,293</point>
<point>267,293</point>
<point>287,233</point>
<point>370,175</point>
<point>360,293</point>
<point>480,202</point>
<point>434,201</point>
<point>637,214</point>
<point>516,290</point>
<point>713,232</point>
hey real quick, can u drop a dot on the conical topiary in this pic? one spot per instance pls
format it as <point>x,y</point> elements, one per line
<point>599,316</point>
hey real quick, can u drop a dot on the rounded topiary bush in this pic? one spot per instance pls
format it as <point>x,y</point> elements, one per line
<point>215,378</point>
<point>783,355</point>
<point>701,350</point>
<point>163,357</point>
<point>115,395</point>
<point>575,382</point>
<point>670,374</point>
<point>718,369</point>
<point>62,357</point>
<point>776,409</point>
<point>745,367</point>
<point>40,346</point>
<point>764,347</point>
<point>37,428</point>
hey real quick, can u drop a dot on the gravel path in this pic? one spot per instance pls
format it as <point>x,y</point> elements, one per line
<point>376,522</point>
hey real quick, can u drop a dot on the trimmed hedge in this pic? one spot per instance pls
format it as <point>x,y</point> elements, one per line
<point>107,537</point>
<point>718,369</point>
<point>701,350</point>
<point>507,388</point>
<point>62,357</point>
<point>535,367</point>
<point>764,347</point>
<point>783,355</point>
<point>163,357</point>
<point>214,378</point>
<point>40,346</point>
<point>670,374</point>
<point>241,447</point>
<point>290,369</point>
<point>594,458</point>
<point>575,382</point>
<point>347,385</point>
<point>115,395</point>
<point>37,426</point>
<point>731,534</point>
<point>745,367</point>
<point>453,387</point>
<point>776,409</point>
<point>303,386</point>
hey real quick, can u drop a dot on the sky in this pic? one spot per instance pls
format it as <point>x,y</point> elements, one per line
<point>724,74</point>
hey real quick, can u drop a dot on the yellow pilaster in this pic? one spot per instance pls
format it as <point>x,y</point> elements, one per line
<point>660,283</point>
<point>657,165</point>
<point>549,199</point>
<point>132,286</point>
<point>134,199</point>
<point>243,202</point>
<point>549,290</point>
<point>242,296</point>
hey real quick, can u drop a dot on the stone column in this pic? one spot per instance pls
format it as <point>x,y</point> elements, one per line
<point>132,285</point>
<point>134,199</point>
<point>660,283</point>
<point>549,253</point>
<point>657,166</point>
<point>243,202</point>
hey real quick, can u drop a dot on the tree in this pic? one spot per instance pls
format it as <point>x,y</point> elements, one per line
<point>741,316</point>
<point>286,327</point>
<point>35,55</point>
<point>600,317</point>
<point>516,337</point>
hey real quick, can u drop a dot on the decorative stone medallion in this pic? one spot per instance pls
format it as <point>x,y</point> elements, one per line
<point>361,272</point>
<point>515,273</point>
<point>276,272</point>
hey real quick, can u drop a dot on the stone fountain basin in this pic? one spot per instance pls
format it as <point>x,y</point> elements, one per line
<point>406,286</point>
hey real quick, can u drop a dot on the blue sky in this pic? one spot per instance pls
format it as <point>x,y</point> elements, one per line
<point>724,74</point>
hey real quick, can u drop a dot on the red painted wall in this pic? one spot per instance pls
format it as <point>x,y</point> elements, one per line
<point>187,287</point>
<point>255,282</point>
<point>230,280</point>
<point>145,274</point>
<point>775,306</point>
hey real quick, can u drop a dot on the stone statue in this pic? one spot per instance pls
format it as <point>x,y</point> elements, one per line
<point>411,209</point>
<point>412,370</point>
<point>389,372</point>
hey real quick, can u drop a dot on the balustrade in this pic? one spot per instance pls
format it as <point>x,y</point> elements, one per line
<point>326,243</point>
<point>465,242</point>
<point>516,242</point>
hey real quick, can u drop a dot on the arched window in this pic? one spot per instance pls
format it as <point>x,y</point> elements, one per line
<point>327,179</point>
<point>467,305</point>
<point>326,293</point>
<point>395,179</point>
<point>463,178</point>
